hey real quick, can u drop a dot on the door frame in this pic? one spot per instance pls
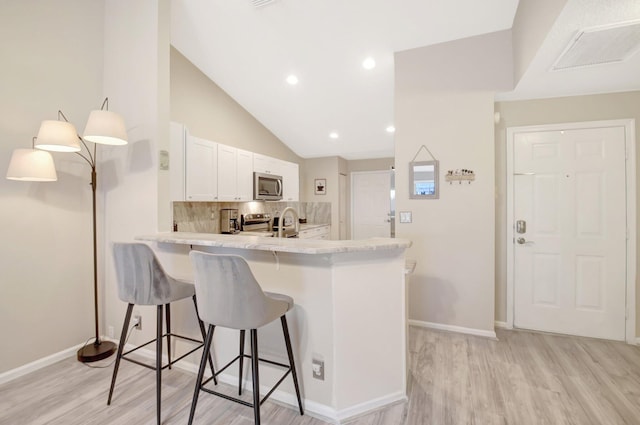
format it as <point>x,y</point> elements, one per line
<point>630,171</point>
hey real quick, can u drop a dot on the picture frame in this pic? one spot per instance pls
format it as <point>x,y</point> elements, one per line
<point>320,186</point>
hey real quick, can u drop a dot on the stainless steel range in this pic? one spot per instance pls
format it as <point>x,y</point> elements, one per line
<point>256,225</point>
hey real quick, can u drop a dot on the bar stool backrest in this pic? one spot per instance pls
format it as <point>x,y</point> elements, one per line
<point>228,294</point>
<point>141,278</point>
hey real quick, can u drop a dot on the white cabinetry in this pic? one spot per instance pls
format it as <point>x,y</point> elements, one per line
<point>318,232</point>
<point>201,177</point>
<point>266,164</point>
<point>234,174</point>
<point>202,170</point>
<point>245,175</point>
<point>290,182</point>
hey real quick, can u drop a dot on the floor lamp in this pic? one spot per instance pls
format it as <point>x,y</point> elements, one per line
<point>36,164</point>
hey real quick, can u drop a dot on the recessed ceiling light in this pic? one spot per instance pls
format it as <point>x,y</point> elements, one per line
<point>292,79</point>
<point>333,135</point>
<point>391,129</point>
<point>369,63</point>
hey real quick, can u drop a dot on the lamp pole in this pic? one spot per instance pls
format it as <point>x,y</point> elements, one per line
<point>99,349</point>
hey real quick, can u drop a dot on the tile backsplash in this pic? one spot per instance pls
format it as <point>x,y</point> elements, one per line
<point>204,217</point>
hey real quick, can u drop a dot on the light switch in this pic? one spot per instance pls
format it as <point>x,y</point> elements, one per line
<point>405,217</point>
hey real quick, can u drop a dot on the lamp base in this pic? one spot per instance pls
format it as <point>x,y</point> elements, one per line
<point>95,352</point>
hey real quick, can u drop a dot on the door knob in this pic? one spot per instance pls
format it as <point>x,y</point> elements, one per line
<point>521,241</point>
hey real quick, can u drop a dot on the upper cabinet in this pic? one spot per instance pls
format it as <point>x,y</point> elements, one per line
<point>202,170</point>
<point>235,182</point>
<point>290,181</point>
<point>266,164</point>
<point>201,164</point>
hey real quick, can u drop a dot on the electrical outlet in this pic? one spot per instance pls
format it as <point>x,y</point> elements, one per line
<point>110,331</point>
<point>318,369</point>
<point>137,322</point>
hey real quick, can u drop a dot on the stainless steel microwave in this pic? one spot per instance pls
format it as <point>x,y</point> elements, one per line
<point>267,187</point>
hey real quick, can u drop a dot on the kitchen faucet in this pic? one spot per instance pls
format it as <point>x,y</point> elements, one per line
<point>295,220</point>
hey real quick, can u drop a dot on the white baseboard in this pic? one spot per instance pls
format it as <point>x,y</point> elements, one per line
<point>502,325</point>
<point>12,374</point>
<point>453,328</point>
<point>369,406</point>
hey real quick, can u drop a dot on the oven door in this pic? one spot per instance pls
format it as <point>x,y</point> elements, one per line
<point>267,187</point>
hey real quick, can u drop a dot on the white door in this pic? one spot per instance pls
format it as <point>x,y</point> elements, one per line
<point>371,197</point>
<point>570,261</point>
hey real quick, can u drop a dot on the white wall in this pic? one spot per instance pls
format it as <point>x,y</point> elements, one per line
<point>453,237</point>
<point>136,78</point>
<point>327,168</point>
<point>46,289</point>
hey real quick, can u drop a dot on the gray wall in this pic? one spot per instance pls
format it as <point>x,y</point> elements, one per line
<point>46,292</point>
<point>549,111</point>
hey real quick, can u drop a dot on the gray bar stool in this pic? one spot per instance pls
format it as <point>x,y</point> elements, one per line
<point>142,281</point>
<point>228,295</point>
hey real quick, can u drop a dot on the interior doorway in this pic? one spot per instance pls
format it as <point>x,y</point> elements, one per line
<point>370,204</point>
<point>571,229</point>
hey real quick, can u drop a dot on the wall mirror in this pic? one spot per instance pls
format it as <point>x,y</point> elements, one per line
<point>423,180</point>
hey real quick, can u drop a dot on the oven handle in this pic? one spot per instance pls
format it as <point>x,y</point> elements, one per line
<point>279,187</point>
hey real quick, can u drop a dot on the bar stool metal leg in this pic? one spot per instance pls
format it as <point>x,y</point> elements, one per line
<point>255,377</point>
<point>287,341</point>
<point>241,359</point>
<point>204,336</point>
<point>123,338</point>
<point>203,365</point>
<point>159,362</point>
<point>167,312</point>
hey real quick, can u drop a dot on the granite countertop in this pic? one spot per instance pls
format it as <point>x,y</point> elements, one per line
<point>294,245</point>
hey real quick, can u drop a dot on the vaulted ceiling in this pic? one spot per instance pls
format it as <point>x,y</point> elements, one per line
<point>250,51</point>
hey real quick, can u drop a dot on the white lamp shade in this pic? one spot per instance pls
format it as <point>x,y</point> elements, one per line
<point>58,136</point>
<point>105,127</point>
<point>31,165</point>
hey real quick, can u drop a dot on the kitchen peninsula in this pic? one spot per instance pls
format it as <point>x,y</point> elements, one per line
<point>349,314</point>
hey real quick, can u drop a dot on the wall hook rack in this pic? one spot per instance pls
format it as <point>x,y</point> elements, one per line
<point>460,175</point>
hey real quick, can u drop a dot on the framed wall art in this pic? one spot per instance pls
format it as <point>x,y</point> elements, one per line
<point>320,186</point>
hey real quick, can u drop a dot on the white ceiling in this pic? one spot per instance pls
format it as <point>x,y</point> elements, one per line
<point>540,82</point>
<point>250,51</point>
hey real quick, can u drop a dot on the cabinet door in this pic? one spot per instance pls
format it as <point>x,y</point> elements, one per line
<point>201,160</point>
<point>244,169</point>
<point>290,181</point>
<point>265,164</point>
<point>227,172</point>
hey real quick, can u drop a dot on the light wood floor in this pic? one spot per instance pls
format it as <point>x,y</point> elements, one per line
<point>524,378</point>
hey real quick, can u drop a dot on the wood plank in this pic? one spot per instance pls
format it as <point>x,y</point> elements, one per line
<point>523,378</point>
